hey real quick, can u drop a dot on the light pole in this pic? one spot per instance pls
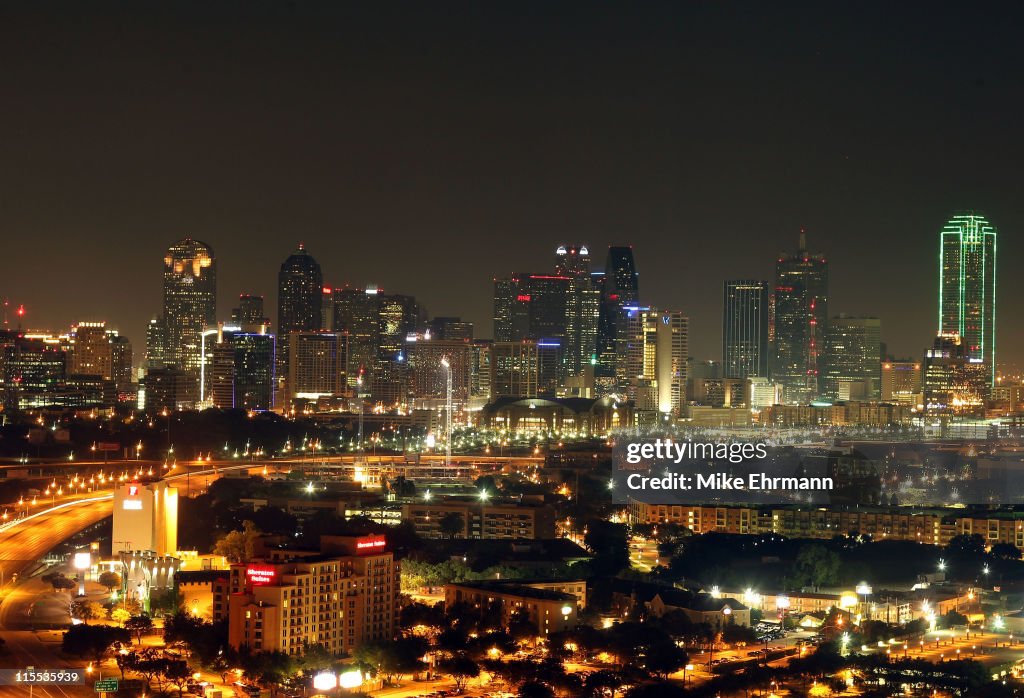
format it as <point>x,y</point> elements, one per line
<point>448,412</point>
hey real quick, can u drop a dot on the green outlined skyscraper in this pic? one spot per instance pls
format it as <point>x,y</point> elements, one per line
<point>967,287</point>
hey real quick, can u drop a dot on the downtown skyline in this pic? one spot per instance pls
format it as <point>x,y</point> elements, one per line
<point>705,320</point>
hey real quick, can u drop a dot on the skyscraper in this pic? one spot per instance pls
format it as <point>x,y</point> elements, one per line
<point>582,307</point>
<point>249,311</point>
<point>967,287</point>
<point>620,288</point>
<point>242,370</point>
<point>657,344</point>
<point>801,322</point>
<point>357,313</point>
<point>853,365</point>
<point>745,329</point>
<point>299,289</point>
<point>190,301</point>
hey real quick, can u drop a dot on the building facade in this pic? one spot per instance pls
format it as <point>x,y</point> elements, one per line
<point>745,329</point>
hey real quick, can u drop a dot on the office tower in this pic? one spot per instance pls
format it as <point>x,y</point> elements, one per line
<point>275,605</point>
<point>316,364</point>
<point>190,301</point>
<point>530,306</point>
<point>34,372</point>
<point>620,287</point>
<point>953,382</point>
<point>801,322</point>
<point>399,317</point>
<point>90,353</point>
<point>654,365</point>
<point>550,366</point>
<point>249,313</point>
<point>242,374</point>
<point>480,368</point>
<point>167,388</point>
<point>853,360</point>
<point>901,381</point>
<point>582,307</point>
<point>745,329</point>
<point>121,365</point>
<point>513,369</point>
<point>357,312</point>
<point>967,287</point>
<point>430,377</point>
<point>156,343</point>
<point>390,381</point>
<point>452,328</point>
<point>101,353</point>
<point>299,287</point>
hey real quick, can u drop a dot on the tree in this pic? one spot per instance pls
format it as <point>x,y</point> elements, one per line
<point>536,689</point>
<point>816,566</point>
<point>58,581</point>
<point>461,668</point>
<point>452,525</point>
<point>238,546</point>
<point>664,658</point>
<point>1006,551</point>
<point>92,640</point>
<point>86,610</point>
<point>610,544</point>
<point>139,625</point>
<point>393,659</point>
<point>110,580</point>
<point>120,616</point>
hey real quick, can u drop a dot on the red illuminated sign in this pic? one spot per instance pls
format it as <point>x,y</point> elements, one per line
<point>133,490</point>
<point>523,298</point>
<point>370,544</point>
<point>258,575</point>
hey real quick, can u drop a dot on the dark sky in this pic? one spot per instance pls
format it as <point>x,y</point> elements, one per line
<point>430,146</point>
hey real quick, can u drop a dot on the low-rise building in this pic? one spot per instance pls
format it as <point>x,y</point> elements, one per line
<point>551,606</point>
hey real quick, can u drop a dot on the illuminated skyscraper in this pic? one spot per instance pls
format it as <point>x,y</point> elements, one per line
<point>582,307</point>
<point>967,287</point>
<point>249,312</point>
<point>853,366</point>
<point>800,323</point>
<point>620,288</point>
<point>357,313</point>
<point>745,329</point>
<point>654,365</point>
<point>190,301</point>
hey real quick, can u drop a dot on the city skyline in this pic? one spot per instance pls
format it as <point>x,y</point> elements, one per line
<point>704,137</point>
<point>225,306</point>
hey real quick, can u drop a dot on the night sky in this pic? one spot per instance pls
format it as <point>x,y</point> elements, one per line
<point>428,147</point>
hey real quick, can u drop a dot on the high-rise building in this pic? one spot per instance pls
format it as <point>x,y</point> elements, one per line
<point>654,365</point>
<point>242,370</point>
<point>299,287</point>
<point>582,307</point>
<point>619,288</point>
<point>451,328</point>
<point>967,286</point>
<point>249,313</point>
<point>745,329</point>
<point>953,382</point>
<point>513,368</point>
<point>800,323</point>
<point>399,317</point>
<point>530,306</point>
<point>316,364</point>
<point>156,343</point>
<point>853,360</point>
<point>101,353</point>
<point>357,312</point>
<point>901,381</point>
<point>430,376</point>
<point>190,302</point>
<point>339,597</point>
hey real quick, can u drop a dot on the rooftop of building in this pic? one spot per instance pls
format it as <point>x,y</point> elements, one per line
<point>518,587</point>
